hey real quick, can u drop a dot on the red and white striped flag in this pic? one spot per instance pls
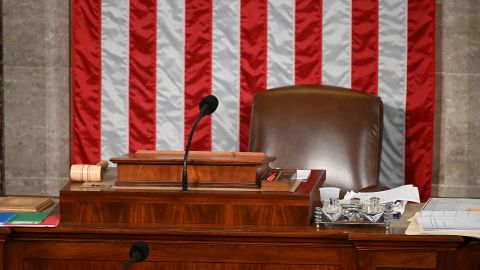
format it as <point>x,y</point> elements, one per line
<point>140,67</point>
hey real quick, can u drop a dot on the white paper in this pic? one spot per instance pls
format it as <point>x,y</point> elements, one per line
<point>451,204</point>
<point>402,193</point>
<point>303,174</point>
<point>415,229</point>
<point>471,222</point>
<point>449,214</point>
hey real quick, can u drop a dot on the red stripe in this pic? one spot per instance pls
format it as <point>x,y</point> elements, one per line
<point>142,74</point>
<point>198,69</point>
<point>86,81</point>
<point>420,95</point>
<point>253,60</point>
<point>308,42</point>
<point>365,46</point>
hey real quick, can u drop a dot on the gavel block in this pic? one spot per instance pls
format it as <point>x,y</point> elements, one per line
<point>88,173</point>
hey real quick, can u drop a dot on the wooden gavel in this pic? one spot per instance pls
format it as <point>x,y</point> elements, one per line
<point>88,173</point>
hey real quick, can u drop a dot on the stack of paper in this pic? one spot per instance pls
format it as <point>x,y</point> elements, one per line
<point>450,214</point>
<point>415,229</point>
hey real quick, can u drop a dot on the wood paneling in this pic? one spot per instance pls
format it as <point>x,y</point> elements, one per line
<point>105,246</point>
<point>231,207</point>
<point>406,259</point>
<point>142,174</point>
<point>165,167</point>
<point>213,253</point>
<point>219,247</point>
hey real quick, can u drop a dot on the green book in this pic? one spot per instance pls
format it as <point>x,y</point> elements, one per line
<point>28,218</point>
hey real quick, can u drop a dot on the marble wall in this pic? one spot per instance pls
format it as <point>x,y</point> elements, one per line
<point>36,61</point>
<point>457,147</point>
<point>2,146</point>
<point>36,97</point>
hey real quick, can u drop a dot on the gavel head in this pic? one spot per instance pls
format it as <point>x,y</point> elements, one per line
<point>86,173</point>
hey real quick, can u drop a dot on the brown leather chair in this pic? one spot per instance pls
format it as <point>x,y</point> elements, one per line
<point>321,127</point>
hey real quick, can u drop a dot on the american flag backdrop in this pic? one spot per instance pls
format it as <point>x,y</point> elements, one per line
<point>140,67</point>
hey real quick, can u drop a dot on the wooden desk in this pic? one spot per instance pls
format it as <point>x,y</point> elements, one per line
<point>106,246</point>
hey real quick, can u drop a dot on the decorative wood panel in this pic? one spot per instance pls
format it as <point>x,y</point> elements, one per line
<point>230,207</point>
<point>204,167</point>
<point>217,254</point>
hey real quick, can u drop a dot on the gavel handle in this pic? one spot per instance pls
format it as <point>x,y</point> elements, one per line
<point>103,164</point>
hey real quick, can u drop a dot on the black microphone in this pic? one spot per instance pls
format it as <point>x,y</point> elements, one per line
<point>207,106</point>
<point>138,252</point>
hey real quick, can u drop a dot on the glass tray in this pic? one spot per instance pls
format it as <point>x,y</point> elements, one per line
<point>346,221</point>
<point>347,216</point>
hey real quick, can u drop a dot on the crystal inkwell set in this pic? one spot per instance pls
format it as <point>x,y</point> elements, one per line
<point>354,211</point>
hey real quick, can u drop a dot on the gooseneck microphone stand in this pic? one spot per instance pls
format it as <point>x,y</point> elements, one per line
<point>187,148</point>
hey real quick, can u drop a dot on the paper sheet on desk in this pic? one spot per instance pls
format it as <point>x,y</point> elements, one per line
<point>303,174</point>
<point>451,204</point>
<point>415,229</point>
<point>471,222</point>
<point>450,214</point>
<point>403,193</point>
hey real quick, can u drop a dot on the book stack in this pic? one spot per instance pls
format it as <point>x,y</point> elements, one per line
<point>19,211</point>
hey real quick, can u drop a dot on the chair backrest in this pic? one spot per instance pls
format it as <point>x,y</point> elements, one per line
<point>320,127</point>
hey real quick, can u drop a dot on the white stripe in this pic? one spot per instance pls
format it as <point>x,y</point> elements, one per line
<point>114,57</point>
<point>281,39</point>
<point>225,74</point>
<point>336,43</point>
<point>170,74</point>
<point>392,89</point>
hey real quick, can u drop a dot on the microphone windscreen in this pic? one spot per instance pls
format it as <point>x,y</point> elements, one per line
<point>139,251</point>
<point>211,102</point>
